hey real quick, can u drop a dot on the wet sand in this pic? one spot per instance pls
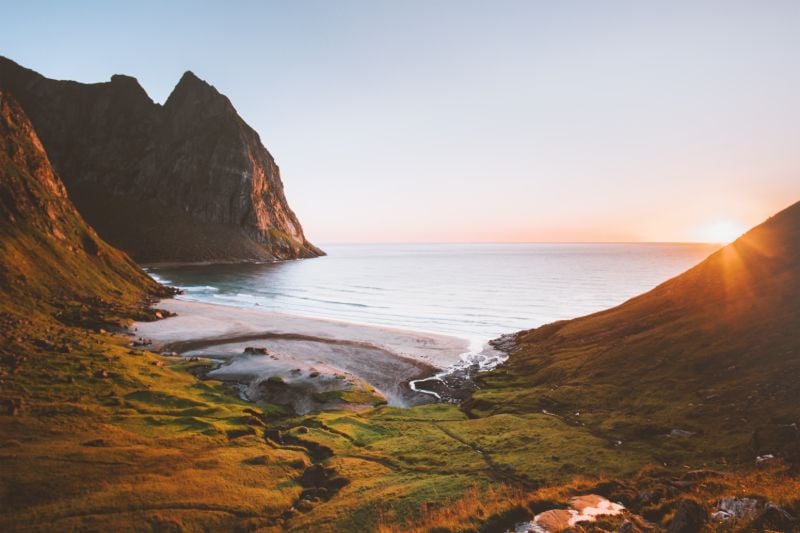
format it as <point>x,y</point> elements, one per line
<point>308,354</point>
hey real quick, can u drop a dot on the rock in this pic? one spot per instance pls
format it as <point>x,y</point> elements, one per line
<point>554,520</point>
<point>250,350</point>
<point>103,374</point>
<point>302,430</point>
<point>191,167</point>
<point>680,433</point>
<point>689,518</point>
<point>304,506</point>
<point>159,364</point>
<point>504,343</point>
<point>738,508</point>
<point>774,518</point>
<point>764,458</point>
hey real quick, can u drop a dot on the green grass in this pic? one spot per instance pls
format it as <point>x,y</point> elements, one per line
<point>95,436</point>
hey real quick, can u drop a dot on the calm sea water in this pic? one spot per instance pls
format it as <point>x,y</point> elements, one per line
<point>475,291</point>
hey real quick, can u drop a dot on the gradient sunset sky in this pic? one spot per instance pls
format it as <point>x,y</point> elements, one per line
<point>475,121</point>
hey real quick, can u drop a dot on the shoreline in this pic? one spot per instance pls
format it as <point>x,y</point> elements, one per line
<point>303,358</point>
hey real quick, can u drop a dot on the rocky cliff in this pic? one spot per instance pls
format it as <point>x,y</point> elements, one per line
<point>185,181</point>
<point>48,254</point>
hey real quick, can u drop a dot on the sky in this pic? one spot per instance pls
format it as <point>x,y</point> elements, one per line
<point>458,121</point>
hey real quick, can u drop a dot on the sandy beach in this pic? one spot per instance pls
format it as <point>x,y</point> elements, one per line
<point>306,357</point>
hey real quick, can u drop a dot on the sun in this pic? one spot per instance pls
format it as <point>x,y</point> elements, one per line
<point>722,231</point>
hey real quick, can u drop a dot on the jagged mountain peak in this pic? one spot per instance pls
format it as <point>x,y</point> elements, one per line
<point>192,173</point>
<point>193,91</point>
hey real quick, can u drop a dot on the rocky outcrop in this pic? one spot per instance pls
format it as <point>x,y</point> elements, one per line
<point>185,181</point>
<point>47,251</point>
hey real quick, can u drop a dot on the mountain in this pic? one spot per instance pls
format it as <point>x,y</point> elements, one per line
<point>707,363</point>
<point>191,173</point>
<point>48,254</point>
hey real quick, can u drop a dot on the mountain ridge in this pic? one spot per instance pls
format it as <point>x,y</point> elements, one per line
<point>194,175</point>
<point>711,353</point>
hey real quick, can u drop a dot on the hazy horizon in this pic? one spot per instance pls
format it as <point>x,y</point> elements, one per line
<point>509,122</point>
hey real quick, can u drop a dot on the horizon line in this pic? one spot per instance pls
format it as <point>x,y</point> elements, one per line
<point>325,243</point>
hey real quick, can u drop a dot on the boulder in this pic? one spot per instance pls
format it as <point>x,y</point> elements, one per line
<point>554,520</point>
<point>774,518</point>
<point>738,508</point>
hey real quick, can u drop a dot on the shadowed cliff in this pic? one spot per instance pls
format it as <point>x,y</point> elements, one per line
<point>48,254</point>
<point>186,181</point>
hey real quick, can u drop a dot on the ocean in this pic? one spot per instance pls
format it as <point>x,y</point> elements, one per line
<point>473,291</point>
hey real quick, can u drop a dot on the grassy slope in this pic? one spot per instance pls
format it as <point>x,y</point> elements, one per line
<point>101,437</point>
<point>92,434</point>
<point>714,351</point>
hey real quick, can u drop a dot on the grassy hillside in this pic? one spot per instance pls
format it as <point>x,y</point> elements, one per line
<point>97,436</point>
<point>92,434</point>
<point>52,261</point>
<point>714,352</point>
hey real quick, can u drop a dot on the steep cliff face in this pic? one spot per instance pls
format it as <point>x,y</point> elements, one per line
<point>47,252</point>
<point>186,181</point>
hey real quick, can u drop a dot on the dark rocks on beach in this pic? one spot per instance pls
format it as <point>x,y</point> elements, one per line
<point>455,386</point>
<point>251,350</point>
<point>504,343</point>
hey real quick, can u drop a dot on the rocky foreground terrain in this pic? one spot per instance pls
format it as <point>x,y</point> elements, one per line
<point>181,182</point>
